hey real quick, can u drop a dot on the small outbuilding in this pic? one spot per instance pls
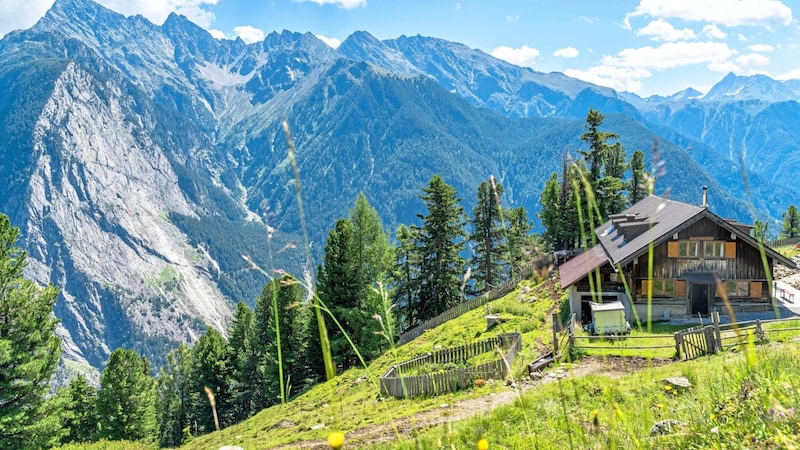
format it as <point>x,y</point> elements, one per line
<point>609,318</point>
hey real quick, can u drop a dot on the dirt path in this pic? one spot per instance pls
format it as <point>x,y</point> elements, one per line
<point>385,432</point>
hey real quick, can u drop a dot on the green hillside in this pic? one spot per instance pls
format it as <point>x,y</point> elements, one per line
<point>347,403</point>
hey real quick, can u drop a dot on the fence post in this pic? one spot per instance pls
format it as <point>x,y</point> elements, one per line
<point>717,332</point>
<point>678,345</point>
<point>555,336</point>
<point>572,331</point>
<point>759,331</point>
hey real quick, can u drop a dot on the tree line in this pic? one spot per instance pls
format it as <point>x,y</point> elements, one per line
<point>368,288</point>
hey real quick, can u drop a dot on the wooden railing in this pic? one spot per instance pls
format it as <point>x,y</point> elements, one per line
<point>394,383</point>
<point>469,305</point>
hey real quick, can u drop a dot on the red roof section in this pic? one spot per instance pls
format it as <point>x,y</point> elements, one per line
<point>577,267</point>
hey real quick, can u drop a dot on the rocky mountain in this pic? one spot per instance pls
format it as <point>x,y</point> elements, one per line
<point>149,169</point>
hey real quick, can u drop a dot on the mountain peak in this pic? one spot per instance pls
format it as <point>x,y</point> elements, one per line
<point>753,87</point>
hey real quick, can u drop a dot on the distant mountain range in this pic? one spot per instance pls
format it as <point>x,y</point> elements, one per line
<point>142,162</point>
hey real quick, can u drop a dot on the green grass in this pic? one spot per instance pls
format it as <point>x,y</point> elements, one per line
<point>788,251</point>
<point>346,404</point>
<point>748,399</point>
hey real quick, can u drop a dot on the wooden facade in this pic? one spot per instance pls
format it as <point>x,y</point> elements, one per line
<point>700,263</point>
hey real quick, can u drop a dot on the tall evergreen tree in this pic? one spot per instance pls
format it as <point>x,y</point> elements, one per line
<point>81,416</point>
<point>244,363</point>
<point>612,185</point>
<point>174,396</point>
<point>406,275</point>
<point>637,188</point>
<point>488,237</point>
<point>29,348</point>
<point>519,240</point>
<point>338,286</point>
<point>210,369</point>
<point>791,223</point>
<point>441,241</point>
<point>550,213</point>
<point>597,141</point>
<point>604,161</point>
<point>126,403</point>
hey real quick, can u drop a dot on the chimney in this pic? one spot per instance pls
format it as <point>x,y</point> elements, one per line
<point>705,197</point>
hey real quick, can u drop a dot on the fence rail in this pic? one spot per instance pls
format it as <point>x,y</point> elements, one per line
<point>469,305</point>
<point>690,343</point>
<point>395,384</point>
<point>783,242</point>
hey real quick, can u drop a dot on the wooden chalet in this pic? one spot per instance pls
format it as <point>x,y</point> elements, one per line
<point>700,263</point>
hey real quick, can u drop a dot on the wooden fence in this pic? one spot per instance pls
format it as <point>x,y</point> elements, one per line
<point>690,343</point>
<point>469,305</point>
<point>395,384</point>
<point>783,242</point>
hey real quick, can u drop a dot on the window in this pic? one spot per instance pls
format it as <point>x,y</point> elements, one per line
<point>738,288</point>
<point>687,249</point>
<point>714,249</point>
<point>664,287</point>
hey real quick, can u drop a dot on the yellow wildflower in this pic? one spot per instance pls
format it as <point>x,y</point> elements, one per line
<point>483,444</point>
<point>336,440</point>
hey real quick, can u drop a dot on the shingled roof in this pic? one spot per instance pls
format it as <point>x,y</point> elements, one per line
<point>654,220</point>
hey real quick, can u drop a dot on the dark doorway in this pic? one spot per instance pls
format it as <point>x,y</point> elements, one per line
<point>699,298</point>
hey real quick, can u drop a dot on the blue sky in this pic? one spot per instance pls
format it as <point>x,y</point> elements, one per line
<point>642,46</point>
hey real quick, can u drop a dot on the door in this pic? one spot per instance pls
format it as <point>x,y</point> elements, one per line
<point>699,299</point>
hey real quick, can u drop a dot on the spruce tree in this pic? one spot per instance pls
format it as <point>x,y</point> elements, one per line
<point>488,237</point>
<point>791,223</point>
<point>29,348</point>
<point>244,363</point>
<point>550,213</point>
<point>81,416</point>
<point>210,369</point>
<point>441,241</point>
<point>406,275</point>
<point>637,188</point>
<point>174,396</point>
<point>126,403</point>
<point>518,240</point>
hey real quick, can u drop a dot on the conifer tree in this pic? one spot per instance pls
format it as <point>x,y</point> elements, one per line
<point>81,416</point>
<point>406,275</point>
<point>519,240</point>
<point>29,348</point>
<point>126,403</point>
<point>791,223</point>
<point>174,396</point>
<point>637,188</point>
<point>210,369</point>
<point>244,363</point>
<point>488,237</point>
<point>441,241</point>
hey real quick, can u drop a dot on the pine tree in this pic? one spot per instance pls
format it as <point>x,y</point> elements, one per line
<point>406,275</point>
<point>126,403</point>
<point>173,397</point>
<point>338,287</point>
<point>488,237</point>
<point>210,369</point>
<point>637,188</point>
<point>441,241</point>
<point>791,223</point>
<point>598,151</point>
<point>612,185</point>
<point>605,163</point>
<point>519,240</point>
<point>550,213</point>
<point>81,411</point>
<point>244,363</point>
<point>29,348</point>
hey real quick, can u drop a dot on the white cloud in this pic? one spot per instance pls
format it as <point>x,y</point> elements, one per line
<point>752,59</point>
<point>790,75</point>
<point>332,42</point>
<point>589,19</point>
<point>524,56</point>
<point>723,66</point>
<point>512,18</point>
<point>217,34</point>
<point>669,55</point>
<point>726,12</point>
<point>660,29</point>
<point>713,32</point>
<point>617,78</point>
<point>763,48</point>
<point>567,52</point>
<point>249,34</point>
<point>344,4</point>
